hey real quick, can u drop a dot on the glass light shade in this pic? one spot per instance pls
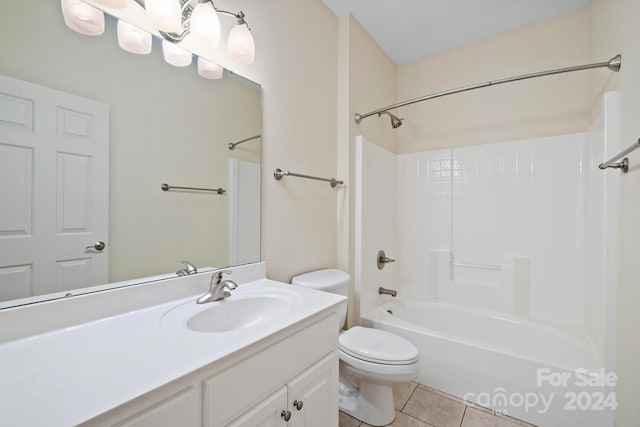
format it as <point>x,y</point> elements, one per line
<point>205,26</point>
<point>209,70</point>
<point>114,4</point>
<point>175,55</point>
<point>133,39</point>
<point>241,46</point>
<point>83,18</point>
<point>165,15</point>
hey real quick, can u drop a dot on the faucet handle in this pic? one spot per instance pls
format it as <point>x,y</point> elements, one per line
<point>190,268</point>
<point>383,259</point>
<point>216,278</point>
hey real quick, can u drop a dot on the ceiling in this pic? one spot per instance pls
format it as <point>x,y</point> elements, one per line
<point>410,29</point>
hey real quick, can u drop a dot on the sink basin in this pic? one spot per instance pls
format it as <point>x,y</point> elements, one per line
<point>229,314</point>
<point>244,309</point>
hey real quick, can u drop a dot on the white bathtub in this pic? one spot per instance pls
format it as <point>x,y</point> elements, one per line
<point>528,370</point>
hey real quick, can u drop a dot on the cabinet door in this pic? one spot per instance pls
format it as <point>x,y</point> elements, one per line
<point>267,413</point>
<point>315,393</point>
<point>181,409</point>
<point>231,392</point>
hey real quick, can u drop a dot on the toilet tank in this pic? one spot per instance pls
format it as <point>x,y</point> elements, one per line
<point>329,280</point>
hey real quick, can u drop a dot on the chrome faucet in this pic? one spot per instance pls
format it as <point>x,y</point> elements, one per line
<point>187,270</point>
<point>217,288</point>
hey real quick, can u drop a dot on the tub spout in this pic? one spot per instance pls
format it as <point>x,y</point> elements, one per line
<point>384,291</point>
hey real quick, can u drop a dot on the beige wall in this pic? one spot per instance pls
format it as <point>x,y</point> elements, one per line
<point>372,84</point>
<point>614,29</point>
<point>366,79</point>
<point>546,106</point>
<point>296,64</point>
<point>166,125</point>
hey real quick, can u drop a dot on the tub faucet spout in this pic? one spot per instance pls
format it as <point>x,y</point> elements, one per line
<point>384,291</point>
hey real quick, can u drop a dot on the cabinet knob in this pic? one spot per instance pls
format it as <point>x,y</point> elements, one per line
<point>297,404</point>
<point>286,415</point>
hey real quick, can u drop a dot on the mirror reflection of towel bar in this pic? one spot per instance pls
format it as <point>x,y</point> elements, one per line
<point>167,187</point>
<point>232,145</point>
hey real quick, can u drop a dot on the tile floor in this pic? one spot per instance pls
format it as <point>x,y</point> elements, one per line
<point>420,406</point>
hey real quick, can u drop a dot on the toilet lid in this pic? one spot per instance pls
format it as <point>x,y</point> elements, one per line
<point>378,346</point>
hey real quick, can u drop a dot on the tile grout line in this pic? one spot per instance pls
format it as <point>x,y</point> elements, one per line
<point>418,419</point>
<point>409,398</point>
<point>463,415</point>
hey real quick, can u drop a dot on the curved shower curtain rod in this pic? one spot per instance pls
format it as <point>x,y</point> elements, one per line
<point>232,145</point>
<point>613,64</point>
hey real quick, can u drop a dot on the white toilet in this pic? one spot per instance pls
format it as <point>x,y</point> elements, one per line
<point>371,360</point>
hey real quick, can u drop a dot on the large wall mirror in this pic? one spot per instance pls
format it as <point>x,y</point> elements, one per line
<point>164,125</point>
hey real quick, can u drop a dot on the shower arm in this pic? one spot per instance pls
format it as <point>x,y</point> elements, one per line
<point>613,64</point>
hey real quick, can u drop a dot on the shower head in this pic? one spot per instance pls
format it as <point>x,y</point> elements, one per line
<point>395,122</point>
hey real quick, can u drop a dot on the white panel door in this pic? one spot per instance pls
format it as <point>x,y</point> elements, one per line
<point>54,155</point>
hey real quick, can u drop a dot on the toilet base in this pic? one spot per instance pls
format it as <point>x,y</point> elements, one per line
<point>371,403</point>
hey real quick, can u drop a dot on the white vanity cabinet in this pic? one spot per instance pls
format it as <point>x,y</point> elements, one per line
<point>180,409</point>
<point>308,400</point>
<point>252,388</point>
<point>140,364</point>
<point>312,397</point>
<point>268,413</point>
<point>298,372</point>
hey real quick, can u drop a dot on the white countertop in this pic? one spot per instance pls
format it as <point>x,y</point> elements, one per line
<point>70,375</point>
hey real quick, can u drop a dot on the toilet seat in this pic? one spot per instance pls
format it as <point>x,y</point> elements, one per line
<point>380,372</point>
<point>377,346</point>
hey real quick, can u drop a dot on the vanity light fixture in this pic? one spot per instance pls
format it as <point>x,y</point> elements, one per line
<point>133,39</point>
<point>83,18</point>
<point>175,20</point>
<point>205,26</point>
<point>165,15</point>
<point>240,44</point>
<point>175,55</point>
<point>200,20</point>
<point>209,70</point>
<point>114,4</point>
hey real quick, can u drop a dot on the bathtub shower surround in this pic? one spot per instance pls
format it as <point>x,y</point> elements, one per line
<point>503,264</point>
<point>510,226</point>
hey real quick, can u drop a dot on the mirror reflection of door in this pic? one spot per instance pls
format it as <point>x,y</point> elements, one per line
<point>54,190</point>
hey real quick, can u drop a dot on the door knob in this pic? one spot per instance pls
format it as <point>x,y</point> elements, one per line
<point>297,404</point>
<point>98,246</point>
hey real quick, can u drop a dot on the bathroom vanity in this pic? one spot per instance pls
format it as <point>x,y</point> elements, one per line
<point>150,356</point>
